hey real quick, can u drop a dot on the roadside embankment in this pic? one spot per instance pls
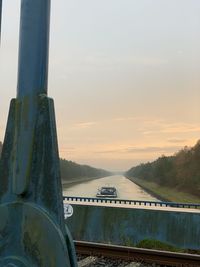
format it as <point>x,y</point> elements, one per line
<point>165,193</point>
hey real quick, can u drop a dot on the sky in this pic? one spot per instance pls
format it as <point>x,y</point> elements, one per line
<point>124,75</point>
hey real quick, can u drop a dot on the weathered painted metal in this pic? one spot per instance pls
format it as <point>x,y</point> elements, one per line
<point>129,226</point>
<point>33,48</point>
<point>32,81</point>
<point>0,17</point>
<point>32,228</point>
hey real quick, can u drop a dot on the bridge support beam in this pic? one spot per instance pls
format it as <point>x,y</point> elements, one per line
<point>0,17</point>
<point>32,229</point>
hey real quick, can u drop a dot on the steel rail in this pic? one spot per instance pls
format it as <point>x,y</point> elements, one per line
<point>137,254</point>
<point>132,202</point>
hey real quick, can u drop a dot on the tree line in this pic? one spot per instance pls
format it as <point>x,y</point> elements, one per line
<point>1,145</point>
<point>71,170</point>
<point>182,170</point>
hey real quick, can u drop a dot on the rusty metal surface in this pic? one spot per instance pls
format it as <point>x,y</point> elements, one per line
<point>140,255</point>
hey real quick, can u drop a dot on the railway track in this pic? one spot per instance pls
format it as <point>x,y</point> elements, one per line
<point>96,254</point>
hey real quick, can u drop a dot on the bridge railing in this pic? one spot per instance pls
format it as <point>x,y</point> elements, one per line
<point>131,202</point>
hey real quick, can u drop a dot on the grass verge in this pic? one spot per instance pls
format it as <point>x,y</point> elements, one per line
<point>158,245</point>
<point>166,193</point>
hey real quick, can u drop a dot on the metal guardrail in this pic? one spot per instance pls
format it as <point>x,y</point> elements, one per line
<point>132,202</point>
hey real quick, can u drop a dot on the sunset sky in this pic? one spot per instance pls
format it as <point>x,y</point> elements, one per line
<point>124,74</point>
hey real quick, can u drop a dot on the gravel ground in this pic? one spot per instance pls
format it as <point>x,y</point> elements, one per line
<point>80,257</point>
<point>109,262</point>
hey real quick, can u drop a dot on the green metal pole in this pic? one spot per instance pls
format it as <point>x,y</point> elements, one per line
<point>0,17</point>
<point>32,82</point>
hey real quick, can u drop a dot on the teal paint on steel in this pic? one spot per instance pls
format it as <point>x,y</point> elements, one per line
<point>32,228</point>
<point>0,17</point>
<point>33,48</point>
<point>32,81</point>
<point>129,226</point>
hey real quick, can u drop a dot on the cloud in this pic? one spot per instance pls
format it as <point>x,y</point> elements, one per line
<point>151,61</point>
<point>159,126</point>
<point>152,149</point>
<point>148,132</point>
<point>67,149</point>
<point>142,150</point>
<point>127,118</point>
<point>181,128</point>
<point>177,140</point>
<point>83,125</point>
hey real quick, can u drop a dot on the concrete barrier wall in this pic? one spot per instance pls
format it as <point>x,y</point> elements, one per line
<point>128,226</point>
